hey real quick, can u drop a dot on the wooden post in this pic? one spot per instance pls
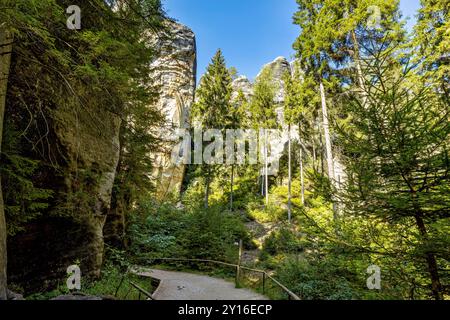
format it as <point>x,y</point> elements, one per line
<point>238,268</point>
<point>264,283</point>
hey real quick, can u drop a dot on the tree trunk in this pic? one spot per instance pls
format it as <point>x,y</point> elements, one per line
<point>290,176</point>
<point>231,187</point>
<point>359,73</point>
<point>302,179</point>
<point>314,154</point>
<point>5,62</point>
<point>326,129</point>
<point>436,286</point>
<point>207,183</point>
<point>262,181</point>
<point>266,166</point>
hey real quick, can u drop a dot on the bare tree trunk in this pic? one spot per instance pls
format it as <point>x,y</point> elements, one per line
<point>357,59</point>
<point>321,155</point>
<point>302,180</point>
<point>314,154</point>
<point>207,187</point>
<point>5,63</point>
<point>266,166</point>
<point>231,187</point>
<point>326,129</point>
<point>262,181</point>
<point>290,176</point>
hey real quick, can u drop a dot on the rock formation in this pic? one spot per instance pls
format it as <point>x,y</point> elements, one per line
<point>88,153</point>
<point>72,231</point>
<point>174,72</point>
<point>243,84</point>
<point>279,67</point>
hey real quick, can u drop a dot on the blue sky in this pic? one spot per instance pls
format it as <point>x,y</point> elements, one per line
<point>250,33</point>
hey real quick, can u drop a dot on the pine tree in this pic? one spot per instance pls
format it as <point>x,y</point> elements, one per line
<point>294,113</point>
<point>236,119</point>
<point>335,38</point>
<point>213,105</point>
<point>397,160</point>
<point>311,47</point>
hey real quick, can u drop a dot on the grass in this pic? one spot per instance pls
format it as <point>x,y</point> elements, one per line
<point>111,285</point>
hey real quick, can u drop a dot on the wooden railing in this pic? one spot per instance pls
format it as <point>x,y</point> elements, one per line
<point>141,291</point>
<point>264,274</point>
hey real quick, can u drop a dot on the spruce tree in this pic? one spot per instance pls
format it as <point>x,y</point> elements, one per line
<point>213,106</point>
<point>396,151</point>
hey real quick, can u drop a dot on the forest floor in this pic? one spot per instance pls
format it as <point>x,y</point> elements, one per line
<point>259,232</point>
<point>188,286</point>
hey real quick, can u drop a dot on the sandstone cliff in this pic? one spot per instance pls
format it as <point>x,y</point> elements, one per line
<point>88,151</point>
<point>174,72</point>
<point>72,231</point>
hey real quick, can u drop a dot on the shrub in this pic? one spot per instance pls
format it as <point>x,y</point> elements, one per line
<point>318,280</point>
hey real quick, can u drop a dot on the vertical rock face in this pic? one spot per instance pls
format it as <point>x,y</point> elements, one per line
<point>92,155</point>
<point>72,231</point>
<point>88,151</point>
<point>174,72</point>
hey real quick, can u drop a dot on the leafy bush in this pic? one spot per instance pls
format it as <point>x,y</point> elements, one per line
<point>284,240</point>
<point>318,280</point>
<point>168,232</point>
<point>260,213</point>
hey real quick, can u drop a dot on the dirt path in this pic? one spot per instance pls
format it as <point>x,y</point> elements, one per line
<point>188,286</point>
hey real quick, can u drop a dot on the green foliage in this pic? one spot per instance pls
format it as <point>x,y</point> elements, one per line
<point>167,232</point>
<point>285,240</point>
<point>214,110</point>
<point>214,95</point>
<point>114,283</point>
<point>261,213</point>
<point>24,200</point>
<point>432,40</point>
<point>318,280</point>
<point>262,106</point>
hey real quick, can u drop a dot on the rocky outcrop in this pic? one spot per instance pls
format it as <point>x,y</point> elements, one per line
<point>72,231</point>
<point>243,84</point>
<point>278,68</point>
<point>92,153</point>
<point>174,72</point>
